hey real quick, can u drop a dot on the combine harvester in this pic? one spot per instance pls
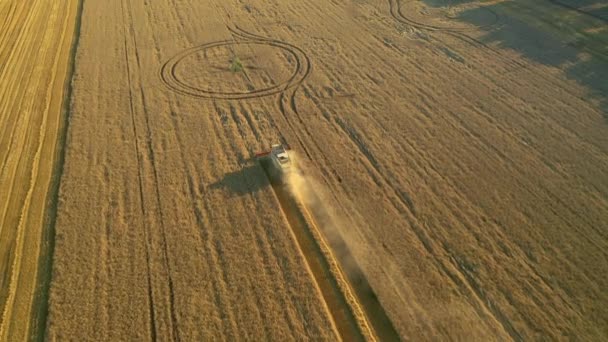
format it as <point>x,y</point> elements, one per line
<point>281,161</point>
<point>355,310</point>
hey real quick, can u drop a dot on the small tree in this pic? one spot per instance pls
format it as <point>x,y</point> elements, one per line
<point>236,65</point>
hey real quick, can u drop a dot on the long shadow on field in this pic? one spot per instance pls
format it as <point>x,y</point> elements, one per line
<point>544,42</point>
<point>594,8</point>
<point>584,22</point>
<point>247,180</point>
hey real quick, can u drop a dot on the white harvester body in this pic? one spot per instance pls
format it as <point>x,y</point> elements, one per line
<point>281,158</point>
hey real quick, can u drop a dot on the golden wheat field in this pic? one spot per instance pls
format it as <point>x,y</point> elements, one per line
<point>450,177</point>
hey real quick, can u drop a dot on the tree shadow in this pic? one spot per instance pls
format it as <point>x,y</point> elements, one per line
<point>594,8</point>
<point>573,38</point>
<point>247,180</point>
<point>582,55</point>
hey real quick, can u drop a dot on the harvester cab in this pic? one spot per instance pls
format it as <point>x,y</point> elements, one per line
<point>280,157</point>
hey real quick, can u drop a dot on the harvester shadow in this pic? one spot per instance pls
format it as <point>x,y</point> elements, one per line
<point>247,180</point>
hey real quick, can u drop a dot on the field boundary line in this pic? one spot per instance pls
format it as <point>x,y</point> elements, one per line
<point>40,316</point>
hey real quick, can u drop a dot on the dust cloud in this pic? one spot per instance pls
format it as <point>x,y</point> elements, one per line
<point>310,194</point>
<point>332,227</point>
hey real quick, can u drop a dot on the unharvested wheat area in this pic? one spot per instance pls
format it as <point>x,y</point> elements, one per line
<point>451,173</point>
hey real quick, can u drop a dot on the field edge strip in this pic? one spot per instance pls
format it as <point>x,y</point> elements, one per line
<point>40,307</point>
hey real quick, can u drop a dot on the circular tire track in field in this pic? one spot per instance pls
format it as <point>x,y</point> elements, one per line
<point>397,8</point>
<point>294,54</point>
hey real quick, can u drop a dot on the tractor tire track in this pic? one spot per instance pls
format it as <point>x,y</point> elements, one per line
<point>202,212</point>
<point>151,306</point>
<point>151,156</point>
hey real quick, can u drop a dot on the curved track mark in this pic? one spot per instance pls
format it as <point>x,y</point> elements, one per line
<point>299,73</point>
<point>396,10</point>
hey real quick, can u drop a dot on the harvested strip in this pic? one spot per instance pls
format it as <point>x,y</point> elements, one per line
<point>34,54</point>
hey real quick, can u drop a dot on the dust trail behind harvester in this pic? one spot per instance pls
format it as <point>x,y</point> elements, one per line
<point>306,190</point>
